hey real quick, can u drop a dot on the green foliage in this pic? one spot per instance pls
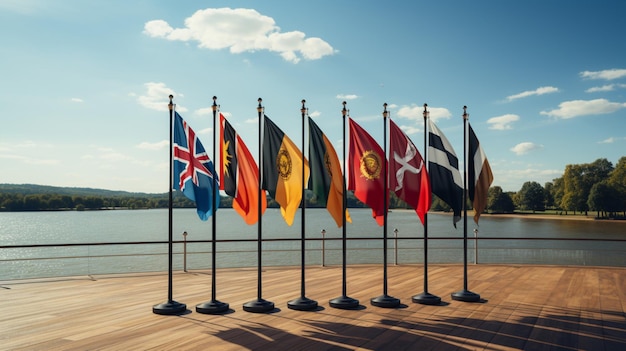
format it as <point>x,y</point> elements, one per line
<point>532,197</point>
<point>499,201</point>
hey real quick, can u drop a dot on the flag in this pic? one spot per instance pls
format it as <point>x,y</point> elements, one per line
<point>443,168</point>
<point>282,170</point>
<point>365,175</point>
<point>326,180</point>
<point>193,169</point>
<point>479,176</point>
<point>407,173</point>
<point>239,174</point>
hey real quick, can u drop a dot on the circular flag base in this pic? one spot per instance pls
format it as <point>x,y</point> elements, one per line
<point>169,308</point>
<point>344,302</point>
<point>258,306</point>
<point>385,301</point>
<point>302,304</point>
<point>465,296</point>
<point>427,299</point>
<point>212,307</point>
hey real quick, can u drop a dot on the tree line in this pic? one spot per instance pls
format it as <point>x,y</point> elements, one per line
<point>596,186</point>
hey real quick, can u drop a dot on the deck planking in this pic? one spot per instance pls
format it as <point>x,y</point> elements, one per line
<point>522,307</point>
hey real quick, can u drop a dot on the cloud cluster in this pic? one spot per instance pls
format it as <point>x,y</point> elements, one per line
<point>502,122</point>
<point>155,97</point>
<point>241,30</point>
<point>525,147</point>
<point>608,74</point>
<point>576,108</point>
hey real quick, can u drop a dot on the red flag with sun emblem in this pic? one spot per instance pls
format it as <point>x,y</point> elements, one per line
<point>365,171</point>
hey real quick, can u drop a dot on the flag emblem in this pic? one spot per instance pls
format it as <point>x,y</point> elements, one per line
<point>370,165</point>
<point>283,164</point>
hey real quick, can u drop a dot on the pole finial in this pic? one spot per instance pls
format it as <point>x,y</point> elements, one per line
<point>214,104</point>
<point>344,111</point>
<point>303,109</point>
<point>385,113</point>
<point>426,113</point>
<point>171,104</point>
<point>259,108</point>
<point>465,114</point>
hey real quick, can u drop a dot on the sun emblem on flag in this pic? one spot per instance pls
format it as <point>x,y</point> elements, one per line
<point>370,165</point>
<point>226,157</point>
<point>283,164</point>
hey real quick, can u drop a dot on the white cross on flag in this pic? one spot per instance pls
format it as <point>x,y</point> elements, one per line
<point>408,177</point>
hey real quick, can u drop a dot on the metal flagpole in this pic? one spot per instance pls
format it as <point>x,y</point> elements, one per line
<point>344,301</point>
<point>302,303</point>
<point>170,307</point>
<point>465,295</point>
<point>426,298</point>
<point>214,306</point>
<point>259,305</point>
<point>385,300</point>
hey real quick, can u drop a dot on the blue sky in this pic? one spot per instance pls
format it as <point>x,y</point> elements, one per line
<point>85,83</point>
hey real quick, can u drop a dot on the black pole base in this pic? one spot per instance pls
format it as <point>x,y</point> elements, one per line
<point>302,304</point>
<point>258,306</point>
<point>385,301</point>
<point>465,296</point>
<point>212,307</point>
<point>344,303</point>
<point>426,299</point>
<point>169,308</point>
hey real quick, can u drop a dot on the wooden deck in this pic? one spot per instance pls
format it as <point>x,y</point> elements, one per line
<point>522,308</point>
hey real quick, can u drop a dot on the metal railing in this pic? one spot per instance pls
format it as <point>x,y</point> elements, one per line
<point>53,260</point>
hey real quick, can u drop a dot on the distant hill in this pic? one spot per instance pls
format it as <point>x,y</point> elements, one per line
<point>27,189</point>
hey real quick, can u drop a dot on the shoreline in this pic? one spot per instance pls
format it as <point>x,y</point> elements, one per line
<point>568,217</point>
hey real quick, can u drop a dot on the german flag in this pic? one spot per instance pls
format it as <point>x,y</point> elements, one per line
<point>282,170</point>
<point>326,180</point>
<point>239,174</point>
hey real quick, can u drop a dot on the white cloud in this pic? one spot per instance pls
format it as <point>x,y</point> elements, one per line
<point>525,147</point>
<point>608,74</point>
<point>575,108</point>
<point>347,96</point>
<point>502,122</point>
<point>416,113</point>
<point>156,97</point>
<point>538,91</point>
<point>76,100</point>
<point>607,87</point>
<point>154,146</point>
<point>315,114</point>
<point>610,140</point>
<point>241,30</point>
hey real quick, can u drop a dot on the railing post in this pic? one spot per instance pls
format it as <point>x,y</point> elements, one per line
<point>395,245</point>
<point>475,245</point>
<point>323,232</point>
<point>185,251</point>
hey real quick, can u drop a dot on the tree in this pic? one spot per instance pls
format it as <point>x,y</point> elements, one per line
<point>605,198</point>
<point>532,197</point>
<point>549,193</point>
<point>499,201</point>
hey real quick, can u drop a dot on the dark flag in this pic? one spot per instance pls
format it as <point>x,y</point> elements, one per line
<point>326,180</point>
<point>479,175</point>
<point>282,170</point>
<point>443,167</point>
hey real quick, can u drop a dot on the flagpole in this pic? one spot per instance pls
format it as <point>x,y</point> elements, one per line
<point>302,303</point>
<point>214,306</point>
<point>259,305</point>
<point>385,300</point>
<point>170,307</point>
<point>465,295</point>
<point>344,301</point>
<point>425,298</point>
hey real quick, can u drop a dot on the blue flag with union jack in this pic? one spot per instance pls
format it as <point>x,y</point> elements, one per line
<point>194,173</point>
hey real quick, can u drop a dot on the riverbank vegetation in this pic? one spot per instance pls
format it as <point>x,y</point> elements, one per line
<point>599,187</point>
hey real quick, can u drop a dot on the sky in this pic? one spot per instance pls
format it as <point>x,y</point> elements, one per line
<point>86,83</point>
